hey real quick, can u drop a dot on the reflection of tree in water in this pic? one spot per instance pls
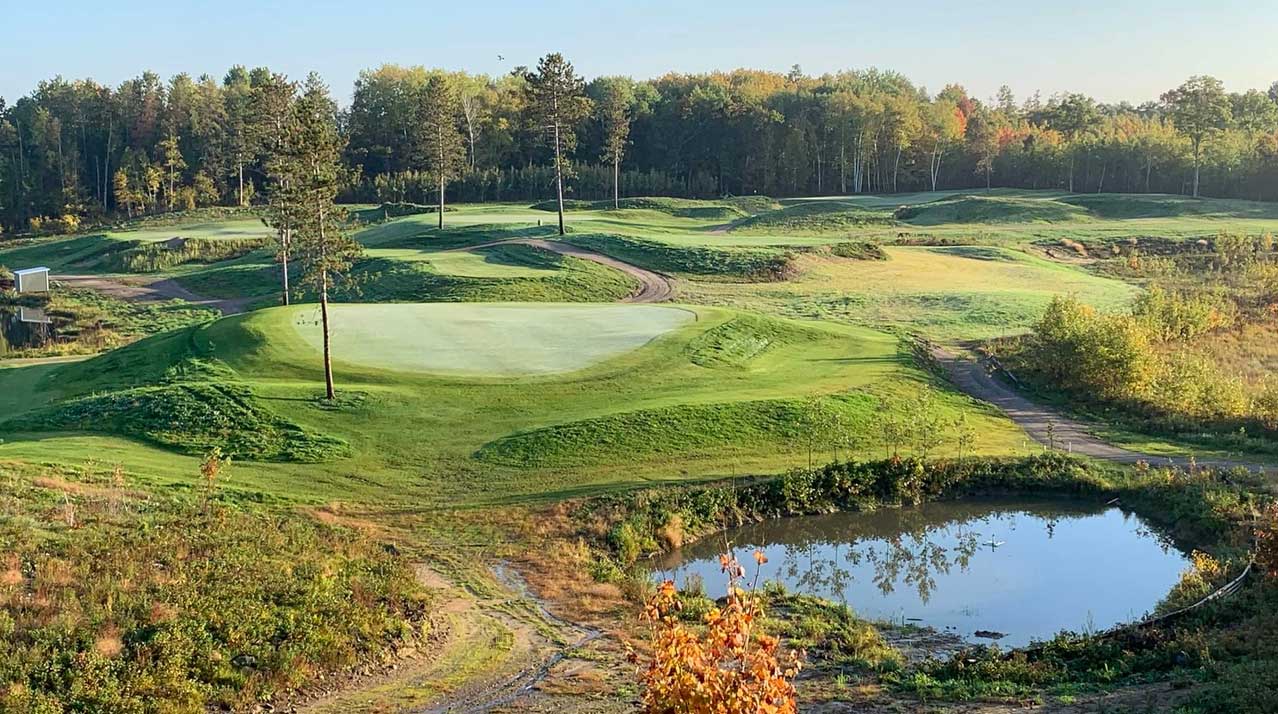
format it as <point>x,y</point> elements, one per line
<point>908,547</point>
<point>912,559</point>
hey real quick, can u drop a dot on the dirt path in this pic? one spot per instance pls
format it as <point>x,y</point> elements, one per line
<point>653,286</point>
<point>1045,425</point>
<point>141,290</point>
<point>487,650</point>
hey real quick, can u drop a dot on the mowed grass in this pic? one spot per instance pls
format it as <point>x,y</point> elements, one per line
<point>712,397</point>
<point>484,339</point>
<point>947,293</point>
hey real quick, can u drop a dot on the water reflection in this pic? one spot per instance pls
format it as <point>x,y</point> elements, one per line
<point>23,328</point>
<point>1026,569</point>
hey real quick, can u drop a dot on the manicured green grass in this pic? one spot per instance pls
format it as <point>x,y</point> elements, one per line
<point>815,217</point>
<point>412,437</point>
<point>485,339</point>
<point>947,293</point>
<point>991,209</point>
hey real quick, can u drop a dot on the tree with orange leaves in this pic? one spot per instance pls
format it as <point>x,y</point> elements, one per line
<point>730,668</point>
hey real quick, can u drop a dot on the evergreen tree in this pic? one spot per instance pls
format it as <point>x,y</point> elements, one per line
<point>275,103</point>
<point>438,141</point>
<point>314,171</point>
<point>556,102</point>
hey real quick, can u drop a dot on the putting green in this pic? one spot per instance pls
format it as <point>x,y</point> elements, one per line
<point>488,339</point>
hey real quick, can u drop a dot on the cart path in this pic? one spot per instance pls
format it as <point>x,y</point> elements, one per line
<point>653,286</point>
<point>975,379</point>
<point>139,290</point>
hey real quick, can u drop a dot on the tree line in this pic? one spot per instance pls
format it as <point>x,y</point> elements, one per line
<point>75,149</point>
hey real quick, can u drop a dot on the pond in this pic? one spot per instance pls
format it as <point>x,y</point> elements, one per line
<point>23,328</point>
<point>1005,571</point>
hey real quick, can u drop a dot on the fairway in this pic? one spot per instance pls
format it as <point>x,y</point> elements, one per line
<point>489,339</point>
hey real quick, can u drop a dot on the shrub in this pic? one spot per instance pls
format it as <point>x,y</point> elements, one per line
<point>730,668</point>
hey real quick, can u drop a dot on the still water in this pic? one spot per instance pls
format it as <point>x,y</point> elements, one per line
<point>1021,569</point>
<point>24,328</point>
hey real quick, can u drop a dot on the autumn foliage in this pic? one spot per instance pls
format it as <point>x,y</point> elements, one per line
<point>727,667</point>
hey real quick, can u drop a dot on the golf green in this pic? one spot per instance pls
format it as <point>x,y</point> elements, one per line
<point>488,339</point>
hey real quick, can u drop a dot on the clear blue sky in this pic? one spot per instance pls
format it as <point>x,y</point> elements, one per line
<point>1120,49</point>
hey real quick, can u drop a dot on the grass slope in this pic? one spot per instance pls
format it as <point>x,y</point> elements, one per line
<point>412,437</point>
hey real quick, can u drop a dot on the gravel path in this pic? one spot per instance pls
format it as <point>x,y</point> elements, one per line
<point>139,290</point>
<point>974,378</point>
<point>653,286</point>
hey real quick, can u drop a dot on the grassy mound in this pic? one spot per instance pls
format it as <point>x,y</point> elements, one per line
<point>739,341</point>
<point>748,263</point>
<point>858,251</point>
<point>485,339</point>
<point>670,431</point>
<point>161,256</point>
<point>192,418</point>
<point>570,204</point>
<point>751,205</point>
<point>678,207</point>
<point>568,279</point>
<point>815,217</point>
<point>150,602</point>
<point>1120,206</point>
<point>389,210</point>
<point>991,209</point>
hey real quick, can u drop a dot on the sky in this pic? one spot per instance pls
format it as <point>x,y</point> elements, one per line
<point>1113,50</point>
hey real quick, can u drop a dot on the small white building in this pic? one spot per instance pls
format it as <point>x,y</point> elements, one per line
<point>31,280</point>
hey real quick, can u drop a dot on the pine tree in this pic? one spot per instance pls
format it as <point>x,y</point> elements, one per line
<point>285,203</point>
<point>556,104</point>
<point>438,142</point>
<point>324,251</point>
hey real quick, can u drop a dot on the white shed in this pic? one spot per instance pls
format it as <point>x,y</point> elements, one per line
<point>32,280</point>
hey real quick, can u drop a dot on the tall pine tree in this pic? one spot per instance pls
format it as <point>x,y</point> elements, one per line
<point>438,142</point>
<point>556,103</point>
<point>324,251</point>
<point>276,103</point>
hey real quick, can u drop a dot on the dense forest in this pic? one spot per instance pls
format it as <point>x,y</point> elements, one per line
<point>77,150</point>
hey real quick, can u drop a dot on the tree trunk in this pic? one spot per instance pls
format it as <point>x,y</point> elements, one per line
<point>1071,172</point>
<point>843,167</point>
<point>1196,162</point>
<point>329,392</point>
<point>288,240</point>
<point>239,165</point>
<point>441,200</point>
<point>616,181</point>
<point>559,175</point>
<point>896,168</point>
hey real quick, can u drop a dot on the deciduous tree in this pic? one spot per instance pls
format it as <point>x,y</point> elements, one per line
<point>1200,109</point>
